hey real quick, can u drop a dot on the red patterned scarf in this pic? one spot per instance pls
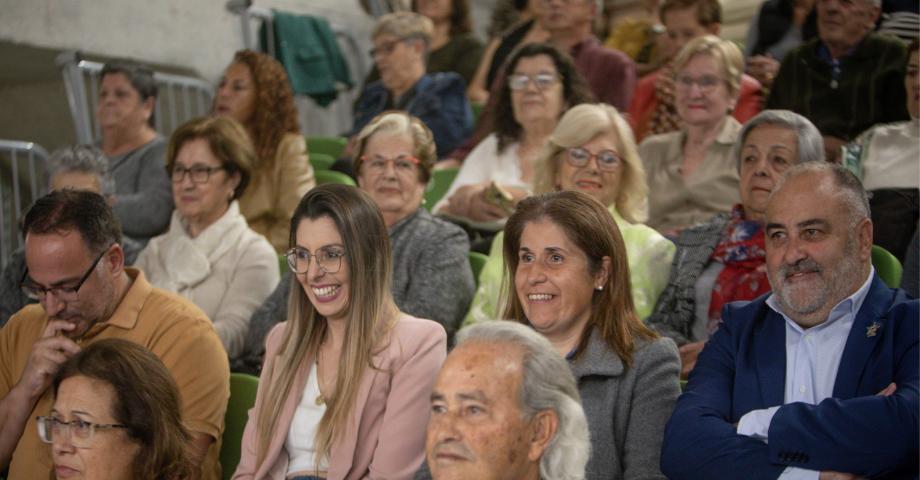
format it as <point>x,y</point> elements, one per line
<point>744,276</point>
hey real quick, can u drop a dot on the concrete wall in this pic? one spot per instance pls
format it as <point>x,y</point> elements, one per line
<point>200,35</point>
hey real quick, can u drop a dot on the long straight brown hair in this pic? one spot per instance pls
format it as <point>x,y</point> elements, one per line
<point>371,313</point>
<point>589,226</point>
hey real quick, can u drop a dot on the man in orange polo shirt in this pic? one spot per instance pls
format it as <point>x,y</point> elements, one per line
<point>75,268</point>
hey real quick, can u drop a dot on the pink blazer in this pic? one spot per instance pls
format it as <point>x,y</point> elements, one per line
<point>386,437</point>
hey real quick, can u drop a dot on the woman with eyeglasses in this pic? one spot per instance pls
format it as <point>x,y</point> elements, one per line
<point>344,392</point>
<point>116,416</point>
<point>210,255</point>
<point>592,151</point>
<point>691,172</point>
<point>542,84</point>
<point>431,272</point>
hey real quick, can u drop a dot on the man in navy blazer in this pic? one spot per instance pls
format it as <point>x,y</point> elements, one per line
<point>818,379</point>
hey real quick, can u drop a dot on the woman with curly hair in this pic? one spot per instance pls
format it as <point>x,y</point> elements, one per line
<point>255,92</point>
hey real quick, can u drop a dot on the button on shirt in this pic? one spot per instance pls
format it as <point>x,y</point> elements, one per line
<point>812,360</point>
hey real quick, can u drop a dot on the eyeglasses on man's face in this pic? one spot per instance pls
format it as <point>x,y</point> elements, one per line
<point>199,173</point>
<point>65,293</point>
<point>543,81</point>
<point>328,259</point>
<point>81,432</point>
<point>386,48</point>
<point>402,164</point>
<point>607,160</point>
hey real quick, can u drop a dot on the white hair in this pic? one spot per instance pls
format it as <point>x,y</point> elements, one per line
<point>83,159</point>
<point>810,144</point>
<point>547,384</point>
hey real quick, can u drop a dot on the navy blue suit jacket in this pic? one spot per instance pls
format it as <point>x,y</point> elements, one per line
<point>743,368</point>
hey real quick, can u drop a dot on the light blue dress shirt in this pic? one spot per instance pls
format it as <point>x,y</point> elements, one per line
<point>812,360</point>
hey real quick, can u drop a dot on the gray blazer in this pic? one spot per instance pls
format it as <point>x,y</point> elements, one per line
<point>627,408</point>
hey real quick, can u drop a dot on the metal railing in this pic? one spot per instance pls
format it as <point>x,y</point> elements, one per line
<point>180,98</point>
<point>23,165</point>
<point>315,120</point>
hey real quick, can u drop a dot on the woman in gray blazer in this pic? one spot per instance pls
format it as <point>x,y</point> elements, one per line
<point>565,258</point>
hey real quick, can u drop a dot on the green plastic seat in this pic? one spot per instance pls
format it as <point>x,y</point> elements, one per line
<point>321,161</point>
<point>477,261</point>
<point>330,176</point>
<point>438,185</point>
<point>887,265</point>
<point>243,390</point>
<point>333,146</point>
<point>476,108</point>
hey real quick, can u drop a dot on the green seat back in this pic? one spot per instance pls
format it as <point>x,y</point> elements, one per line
<point>330,176</point>
<point>321,161</point>
<point>438,185</point>
<point>243,389</point>
<point>887,265</point>
<point>477,261</point>
<point>476,108</point>
<point>333,146</point>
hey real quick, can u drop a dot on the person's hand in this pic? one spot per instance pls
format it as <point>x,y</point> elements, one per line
<point>888,391</point>
<point>832,146</point>
<point>688,354</point>
<point>830,475</point>
<point>458,203</point>
<point>764,68</point>
<point>481,210</point>
<point>46,357</point>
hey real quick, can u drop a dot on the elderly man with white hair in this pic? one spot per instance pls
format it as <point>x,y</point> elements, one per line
<point>506,406</point>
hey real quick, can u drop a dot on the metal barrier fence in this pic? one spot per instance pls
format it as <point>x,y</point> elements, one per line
<point>23,166</point>
<point>315,120</point>
<point>180,98</point>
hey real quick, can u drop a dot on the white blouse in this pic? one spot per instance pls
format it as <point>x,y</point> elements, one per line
<point>301,438</point>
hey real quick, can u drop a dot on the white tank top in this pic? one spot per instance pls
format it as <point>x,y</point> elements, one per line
<point>301,438</point>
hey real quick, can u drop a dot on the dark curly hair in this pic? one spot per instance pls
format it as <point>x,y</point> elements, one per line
<point>460,21</point>
<point>274,113</point>
<point>575,89</point>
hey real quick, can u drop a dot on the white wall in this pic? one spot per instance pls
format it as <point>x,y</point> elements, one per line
<point>200,35</point>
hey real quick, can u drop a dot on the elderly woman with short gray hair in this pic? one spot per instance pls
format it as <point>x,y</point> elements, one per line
<point>78,167</point>
<point>723,259</point>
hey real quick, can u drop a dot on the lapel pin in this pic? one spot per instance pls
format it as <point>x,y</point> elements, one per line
<point>872,330</point>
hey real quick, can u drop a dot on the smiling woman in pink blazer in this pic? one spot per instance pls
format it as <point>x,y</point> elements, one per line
<point>344,392</point>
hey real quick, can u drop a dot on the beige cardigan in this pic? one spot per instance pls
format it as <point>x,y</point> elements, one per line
<point>676,203</point>
<point>275,189</point>
<point>228,271</point>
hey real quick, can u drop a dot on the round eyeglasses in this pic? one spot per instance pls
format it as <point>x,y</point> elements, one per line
<point>519,81</point>
<point>607,160</point>
<point>328,259</point>
<point>81,432</point>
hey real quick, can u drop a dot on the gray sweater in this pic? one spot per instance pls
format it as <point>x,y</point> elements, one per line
<point>143,191</point>
<point>431,279</point>
<point>627,408</point>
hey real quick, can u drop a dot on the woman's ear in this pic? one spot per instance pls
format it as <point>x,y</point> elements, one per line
<point>603,273</point>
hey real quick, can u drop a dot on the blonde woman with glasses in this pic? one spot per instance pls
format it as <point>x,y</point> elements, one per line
<point>345,386</point>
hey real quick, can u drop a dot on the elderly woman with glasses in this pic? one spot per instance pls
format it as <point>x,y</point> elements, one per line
<point>690,172</point>
<point>542,85</point>
<point>210,255</point>
<point>116,416</point>
<point>724,259</point>
<point>592,151</point>
<point>344,392</point>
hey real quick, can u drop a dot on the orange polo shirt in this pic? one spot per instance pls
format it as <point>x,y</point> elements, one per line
<point>171,327</point>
